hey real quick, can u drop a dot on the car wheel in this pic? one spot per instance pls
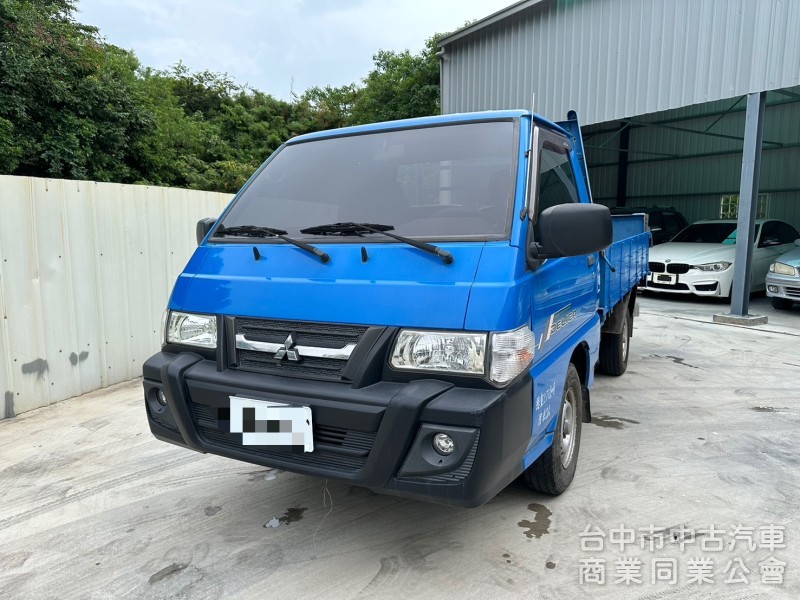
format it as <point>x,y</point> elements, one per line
<point>614,349</point>
<point>554,470</point>
<point>781,303</point>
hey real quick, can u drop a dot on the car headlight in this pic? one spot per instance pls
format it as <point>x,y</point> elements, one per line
<point>783,269</point>
<point>512,352</point>
<point>192,330</point>
<point>716,266</point>
<point>457,353</point>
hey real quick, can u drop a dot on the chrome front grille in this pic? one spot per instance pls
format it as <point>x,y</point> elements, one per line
<point>674,268</point>
<point>295,348</point>
<point>678,268</point>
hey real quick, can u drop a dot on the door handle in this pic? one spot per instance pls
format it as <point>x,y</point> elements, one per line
<point>590,260</point>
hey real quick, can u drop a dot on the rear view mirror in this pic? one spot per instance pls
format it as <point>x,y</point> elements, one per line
<point>573,230</point>
<point>203,227</point>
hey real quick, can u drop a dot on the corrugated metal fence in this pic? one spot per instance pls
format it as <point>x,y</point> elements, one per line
<point>85,272</point>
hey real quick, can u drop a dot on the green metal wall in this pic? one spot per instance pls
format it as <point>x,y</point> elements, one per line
<point>692,170</point>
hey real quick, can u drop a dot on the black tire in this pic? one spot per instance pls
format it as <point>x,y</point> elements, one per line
<point>781,303</point>
<point>615,348</point>
<point>554,470</point>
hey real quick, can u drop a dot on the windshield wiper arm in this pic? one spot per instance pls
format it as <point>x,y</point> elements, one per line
<point>260,232</point>
<point>361,228</point>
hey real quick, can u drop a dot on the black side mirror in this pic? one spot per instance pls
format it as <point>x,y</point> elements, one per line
<point>203,227</point>
<point>572,230</point>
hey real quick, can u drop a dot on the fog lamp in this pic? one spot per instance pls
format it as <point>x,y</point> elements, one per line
<point>161,397</point>
<point>773,288</point>
<point>443,444</point>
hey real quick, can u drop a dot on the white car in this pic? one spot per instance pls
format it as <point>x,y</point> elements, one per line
<point>783,279</point>
<point>699,259</point>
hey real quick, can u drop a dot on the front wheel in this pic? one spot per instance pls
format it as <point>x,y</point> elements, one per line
<point>554,470</point>
<point>781,303</point>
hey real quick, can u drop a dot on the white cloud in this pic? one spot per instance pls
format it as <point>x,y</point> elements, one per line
<point>269,44</point>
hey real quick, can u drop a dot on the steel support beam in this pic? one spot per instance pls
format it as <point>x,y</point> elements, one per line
<point>592,132</point>
<point>748,201</point>
<point>641,161</point>
<point>698,132</point>
<point>622,166</point>
<point>788,94</point>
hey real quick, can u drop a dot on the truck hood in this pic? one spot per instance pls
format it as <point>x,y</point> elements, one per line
<point>397,285</point>
<point>693,254</point>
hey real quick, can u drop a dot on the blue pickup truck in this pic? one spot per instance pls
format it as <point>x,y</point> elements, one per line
<point>417,307</point>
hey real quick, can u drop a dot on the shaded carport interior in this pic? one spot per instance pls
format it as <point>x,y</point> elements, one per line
<point>662,88</point>
<point>690,157</point>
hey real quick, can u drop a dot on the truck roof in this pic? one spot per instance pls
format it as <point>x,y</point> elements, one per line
<point>488,115</point>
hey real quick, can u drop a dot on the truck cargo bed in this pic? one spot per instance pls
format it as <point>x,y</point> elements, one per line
<point>628,255</point>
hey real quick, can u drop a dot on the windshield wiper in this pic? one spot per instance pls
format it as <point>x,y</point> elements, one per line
<point>257,231</point>
<point>358,229</point>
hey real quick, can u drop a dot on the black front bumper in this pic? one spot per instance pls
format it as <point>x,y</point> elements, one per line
<point>377,436</point>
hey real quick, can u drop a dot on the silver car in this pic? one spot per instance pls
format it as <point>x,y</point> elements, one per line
<point>783,279</point>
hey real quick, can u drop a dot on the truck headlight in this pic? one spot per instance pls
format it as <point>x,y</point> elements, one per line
<point>164,319</point>
<point>782,269</point>
<point>716,266</point>
<point>448,352</point>
<point>192,330</point>
<point>511,353</point>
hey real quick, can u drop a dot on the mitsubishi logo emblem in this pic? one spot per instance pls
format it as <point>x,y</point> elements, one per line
<point>288,350</point>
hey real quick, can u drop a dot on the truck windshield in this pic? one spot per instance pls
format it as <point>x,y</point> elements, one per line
<point>443,182</point>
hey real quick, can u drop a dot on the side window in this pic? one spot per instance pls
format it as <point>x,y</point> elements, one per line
<point>655,220</point>
<point>785,233</point>
<point>672,223</point>
<point>556,181</point>
<point>775,234</point>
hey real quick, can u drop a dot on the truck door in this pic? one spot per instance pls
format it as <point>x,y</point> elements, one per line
<point>565,290</point>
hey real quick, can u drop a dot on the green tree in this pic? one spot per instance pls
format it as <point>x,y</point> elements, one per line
<point>68,96</point>
<point>169,148</point>
<point>74,106</point>
<point>400,86</point>
<point>331,107</point>
<point>10,149</point>
<point>205,92</point>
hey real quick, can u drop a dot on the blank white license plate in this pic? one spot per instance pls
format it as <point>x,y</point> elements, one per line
<point>264,423</point>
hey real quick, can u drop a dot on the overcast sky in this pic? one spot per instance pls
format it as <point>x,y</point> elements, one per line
<point>269,43</point>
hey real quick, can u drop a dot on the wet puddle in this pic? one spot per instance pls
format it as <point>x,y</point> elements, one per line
<point>540,524</point>
<point>612,422</point>
<point>292,515</point>
<point>676,359</point>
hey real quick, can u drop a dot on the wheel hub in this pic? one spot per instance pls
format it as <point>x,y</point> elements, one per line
<point>567,433</point>
<point>625,340</point>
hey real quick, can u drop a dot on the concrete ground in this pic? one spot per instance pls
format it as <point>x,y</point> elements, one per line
<point>701,432</point>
